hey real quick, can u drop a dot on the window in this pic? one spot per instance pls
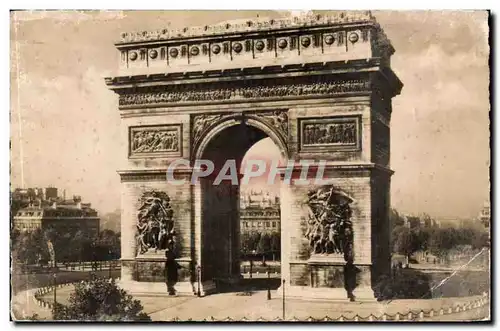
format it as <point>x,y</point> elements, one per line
<point>274,224</point>
<point>267,224</point>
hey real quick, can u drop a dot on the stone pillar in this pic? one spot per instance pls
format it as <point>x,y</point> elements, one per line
<point>327,275</point>
<point>128,232</point>
<point>203,273</point>
<point>286,218</point>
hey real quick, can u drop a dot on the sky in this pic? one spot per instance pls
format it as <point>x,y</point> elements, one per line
<point>65,122</point>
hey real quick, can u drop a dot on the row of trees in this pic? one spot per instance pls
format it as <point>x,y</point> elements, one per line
<point>32,247</point>
<point>436,240</point>
<point>260,243</point>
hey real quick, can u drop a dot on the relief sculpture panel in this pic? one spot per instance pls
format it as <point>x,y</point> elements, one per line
<point>160,140</point>
<point>341,133</point>
<point>155,223</point>
<point>329,225</point>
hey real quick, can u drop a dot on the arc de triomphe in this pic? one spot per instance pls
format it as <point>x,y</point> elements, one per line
<point>320,87</point>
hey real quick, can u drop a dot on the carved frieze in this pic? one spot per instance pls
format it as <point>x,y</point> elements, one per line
<point>224,93</point>
<point>174,97</point>
<point>155,223</point>
<point>332,133</point>
<point>201,123</point>
<point>329,223</point>
<point>157,140</point>
<point>277,119</point>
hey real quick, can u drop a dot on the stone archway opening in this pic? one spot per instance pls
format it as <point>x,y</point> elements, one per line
<point>221,207</point>
<point>260,214</point>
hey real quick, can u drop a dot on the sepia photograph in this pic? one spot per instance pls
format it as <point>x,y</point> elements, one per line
<point>250,166</point>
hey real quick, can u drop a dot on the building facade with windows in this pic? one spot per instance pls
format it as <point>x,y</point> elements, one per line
<point>260,212</point>
<point>263,220</point>
<point>63,216</point>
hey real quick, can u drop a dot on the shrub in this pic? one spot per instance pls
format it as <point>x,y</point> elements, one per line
<point>408,285</point>
<point>100,300</point>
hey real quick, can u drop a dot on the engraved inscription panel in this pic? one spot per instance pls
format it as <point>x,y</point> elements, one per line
<point>158,140</point>
<point>332,133</point>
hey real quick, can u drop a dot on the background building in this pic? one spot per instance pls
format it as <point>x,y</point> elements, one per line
<point>259,212</point>
<point>485,214</point>
<point>57,213</point>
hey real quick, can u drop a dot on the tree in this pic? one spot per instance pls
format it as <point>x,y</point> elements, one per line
<point>100,300</point>
<point>254,240</point>
<point>427,220</point>
<point>413,221</point>
<point>406,243</point>
<point>395,235</point>
<point>31,247</point>
<point>264,245</point>
<point>108,245</point>
<point>442,241</point>
<point>423,238</point>
<point>395,219</point>
<point>275,244</point>
<point>481,240</point>
<point>245,243</point>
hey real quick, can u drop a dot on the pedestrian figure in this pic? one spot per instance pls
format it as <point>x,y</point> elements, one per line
<point>171,272</point>
<point>350,272</point>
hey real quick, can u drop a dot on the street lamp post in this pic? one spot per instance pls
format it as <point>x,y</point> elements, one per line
<point>55,288</point>
<point>283,299</point>
<point>268,284</point>
<point>251,262</point>
<point>198,272</point>
<point>109,252</point>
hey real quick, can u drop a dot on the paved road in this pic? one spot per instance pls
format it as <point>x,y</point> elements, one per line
<point>248,304</point>
<point>254,305</point>
<point>257,306</point>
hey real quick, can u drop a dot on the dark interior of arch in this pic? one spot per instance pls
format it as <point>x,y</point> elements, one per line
<point>220,204</point>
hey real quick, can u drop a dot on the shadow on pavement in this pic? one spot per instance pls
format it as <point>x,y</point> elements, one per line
<point>248,285</point>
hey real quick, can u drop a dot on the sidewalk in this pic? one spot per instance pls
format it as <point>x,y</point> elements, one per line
<point>23,305</point>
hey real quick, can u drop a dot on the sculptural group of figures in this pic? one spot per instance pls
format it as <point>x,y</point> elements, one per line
<point>329,225</point>
<point>338,133</point>
<point>155,224</point>
<point>154,141</point>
